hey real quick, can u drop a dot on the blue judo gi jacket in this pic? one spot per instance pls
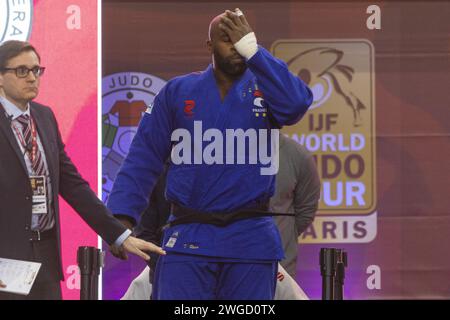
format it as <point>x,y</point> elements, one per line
<point>266,96</point>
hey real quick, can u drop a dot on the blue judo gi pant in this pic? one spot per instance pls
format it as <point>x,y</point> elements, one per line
<point>212,278</point>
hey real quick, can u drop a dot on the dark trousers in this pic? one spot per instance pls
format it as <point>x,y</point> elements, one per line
<point>47,284</point>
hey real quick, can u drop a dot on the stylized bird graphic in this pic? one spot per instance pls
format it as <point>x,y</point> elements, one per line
<point>320,69</point>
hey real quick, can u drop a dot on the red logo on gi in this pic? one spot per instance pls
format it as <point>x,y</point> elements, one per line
<point>280,276</point>
<point>188,107</point>
<point>257,93</point>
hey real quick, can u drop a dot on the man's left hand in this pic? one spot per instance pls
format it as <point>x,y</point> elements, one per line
<point>234,25</point>
<point>137,247</point>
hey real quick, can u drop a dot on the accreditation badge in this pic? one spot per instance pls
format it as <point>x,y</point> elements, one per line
<point>39,194</point>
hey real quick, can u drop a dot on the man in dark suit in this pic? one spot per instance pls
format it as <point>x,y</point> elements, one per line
<point>34,169</point>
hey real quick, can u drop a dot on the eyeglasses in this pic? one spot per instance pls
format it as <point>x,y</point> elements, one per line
<point>22,71</point>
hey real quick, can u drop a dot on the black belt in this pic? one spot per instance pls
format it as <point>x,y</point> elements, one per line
<point>186,215</point>
<point>36,235</point>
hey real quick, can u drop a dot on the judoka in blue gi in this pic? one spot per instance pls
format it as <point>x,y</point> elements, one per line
<point>245,94</point>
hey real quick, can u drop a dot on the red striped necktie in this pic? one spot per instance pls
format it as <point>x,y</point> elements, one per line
<point>37,164</point>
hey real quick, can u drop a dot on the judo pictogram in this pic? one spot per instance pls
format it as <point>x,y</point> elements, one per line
<point>321,69</point>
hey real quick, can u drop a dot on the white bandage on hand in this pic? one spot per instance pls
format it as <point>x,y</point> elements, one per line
<point>238,12</point>
<point>247,46</point>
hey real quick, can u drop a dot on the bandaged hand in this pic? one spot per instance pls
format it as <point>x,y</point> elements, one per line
<point>235,25</point>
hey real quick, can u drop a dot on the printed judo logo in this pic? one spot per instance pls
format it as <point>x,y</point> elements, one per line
<point>15,19</point>
<point>339,130</point>
<point>323,70</point>
<point>126,96</point>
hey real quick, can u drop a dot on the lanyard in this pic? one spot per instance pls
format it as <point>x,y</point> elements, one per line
<point>32,154</point>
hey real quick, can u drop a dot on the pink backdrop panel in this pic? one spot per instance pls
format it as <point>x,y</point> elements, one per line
<point>65,34</point>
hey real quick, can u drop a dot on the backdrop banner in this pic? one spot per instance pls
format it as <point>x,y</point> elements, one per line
<point>378,126</point>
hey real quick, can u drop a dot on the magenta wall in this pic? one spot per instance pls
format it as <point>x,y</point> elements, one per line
<point>69,87</point>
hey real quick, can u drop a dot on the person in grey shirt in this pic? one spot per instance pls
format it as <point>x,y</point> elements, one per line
<point>297,191</point>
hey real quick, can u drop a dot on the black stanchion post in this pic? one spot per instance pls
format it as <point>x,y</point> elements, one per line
<point>341,263</point>
<point>90,260</point>
<point>84,260</point>
<point>328,272</point>
<point>97,263</point>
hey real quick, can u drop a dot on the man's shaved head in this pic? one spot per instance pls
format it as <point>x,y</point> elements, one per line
<point>214,26</point>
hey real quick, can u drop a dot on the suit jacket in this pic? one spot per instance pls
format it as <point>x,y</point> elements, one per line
<point>15,190</point>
